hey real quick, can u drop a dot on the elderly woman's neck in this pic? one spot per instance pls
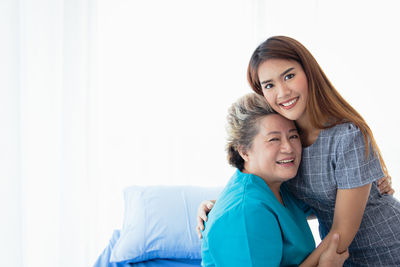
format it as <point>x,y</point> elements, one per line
<point>275,186</point>
<point>276,189</point>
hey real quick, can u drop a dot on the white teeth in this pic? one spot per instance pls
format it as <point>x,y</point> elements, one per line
<point>289,103</point>
<point>286,161</point>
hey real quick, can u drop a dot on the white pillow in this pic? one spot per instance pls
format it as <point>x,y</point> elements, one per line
<point>160,222</point>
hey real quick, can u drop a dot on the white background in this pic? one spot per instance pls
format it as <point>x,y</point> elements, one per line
<point>99,95</point>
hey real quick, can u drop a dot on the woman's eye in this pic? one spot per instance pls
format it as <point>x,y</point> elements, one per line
<point>273,139</point>
<point>289,76</point>
<point>295,136</point>
<point>268,86</point>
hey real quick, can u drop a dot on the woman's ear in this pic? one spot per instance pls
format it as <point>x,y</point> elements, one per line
<point>243,153</point>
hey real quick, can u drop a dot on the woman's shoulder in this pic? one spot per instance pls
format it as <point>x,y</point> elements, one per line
<point>244,191</point>
<point>340,130</point>
<point>239,192</point>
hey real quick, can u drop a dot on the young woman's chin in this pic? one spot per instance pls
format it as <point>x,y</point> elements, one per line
<point>290,115</point>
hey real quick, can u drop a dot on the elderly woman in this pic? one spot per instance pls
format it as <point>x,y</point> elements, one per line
<point>256,221</point>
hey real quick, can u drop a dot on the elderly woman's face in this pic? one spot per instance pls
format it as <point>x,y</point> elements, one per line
<point>275,153</point>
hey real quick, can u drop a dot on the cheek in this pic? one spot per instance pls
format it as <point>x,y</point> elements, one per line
<point>303,84</point>
<point>271,154</point>
<point>264,154</point>
<point>270,98</point>
<point>298,149</point>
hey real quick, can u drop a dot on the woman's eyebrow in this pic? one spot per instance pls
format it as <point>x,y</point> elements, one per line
<point>283,73</point>
<point>278,132</point>
<point>273,132</point>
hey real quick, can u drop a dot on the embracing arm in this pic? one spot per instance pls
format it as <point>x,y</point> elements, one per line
<point>349,209</point>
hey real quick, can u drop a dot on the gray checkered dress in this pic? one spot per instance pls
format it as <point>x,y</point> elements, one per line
<point>337,161</point>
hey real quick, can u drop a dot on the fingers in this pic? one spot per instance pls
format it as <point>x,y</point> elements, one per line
<point>205,208</point>
<point>200,226</point>
<point>345,255</point>
<point>385,178</point>
<point>202,212</point>
<point>199,232</point>
<point>330,257</point>
<point>200,222</point>
<point>385,185</point>
<point>386,190</point>
<point>210,204</point>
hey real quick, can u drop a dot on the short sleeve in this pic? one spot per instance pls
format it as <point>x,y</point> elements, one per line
<point>246,236</point>
<point>353,168</point>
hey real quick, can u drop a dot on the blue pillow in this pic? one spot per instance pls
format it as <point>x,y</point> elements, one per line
<point>159,223</point>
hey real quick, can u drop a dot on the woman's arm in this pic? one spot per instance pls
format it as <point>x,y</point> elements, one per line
<point>349,209</point>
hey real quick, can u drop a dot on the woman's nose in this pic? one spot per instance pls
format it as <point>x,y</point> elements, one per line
<point>286,146</point>
<point>283,90</point>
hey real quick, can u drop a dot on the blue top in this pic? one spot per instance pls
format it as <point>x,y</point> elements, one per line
<point>249,227</point>
<point>337,160</point>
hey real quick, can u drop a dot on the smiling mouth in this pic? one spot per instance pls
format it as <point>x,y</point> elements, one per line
<point>289,104</point>
<point>285,161</point>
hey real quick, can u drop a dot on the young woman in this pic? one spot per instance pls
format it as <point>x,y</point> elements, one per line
<point>256,221</point>
<point>341,163</point>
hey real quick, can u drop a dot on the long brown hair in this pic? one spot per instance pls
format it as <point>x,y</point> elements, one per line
<point>324,103</point>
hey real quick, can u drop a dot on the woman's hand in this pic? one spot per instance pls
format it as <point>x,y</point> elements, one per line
<point>202,212</point>
<point>330,258</point>
<point>385,185</point>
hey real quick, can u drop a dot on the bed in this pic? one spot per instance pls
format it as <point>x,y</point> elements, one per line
<point>158,228</point>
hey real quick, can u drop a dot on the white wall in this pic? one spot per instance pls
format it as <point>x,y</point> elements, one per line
<point>10,190</point>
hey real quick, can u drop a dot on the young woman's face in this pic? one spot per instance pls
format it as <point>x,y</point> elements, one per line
<point>284,85</point>
<point>275,153</point>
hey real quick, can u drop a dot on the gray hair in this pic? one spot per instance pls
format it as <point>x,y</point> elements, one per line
<point>243,125</point>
